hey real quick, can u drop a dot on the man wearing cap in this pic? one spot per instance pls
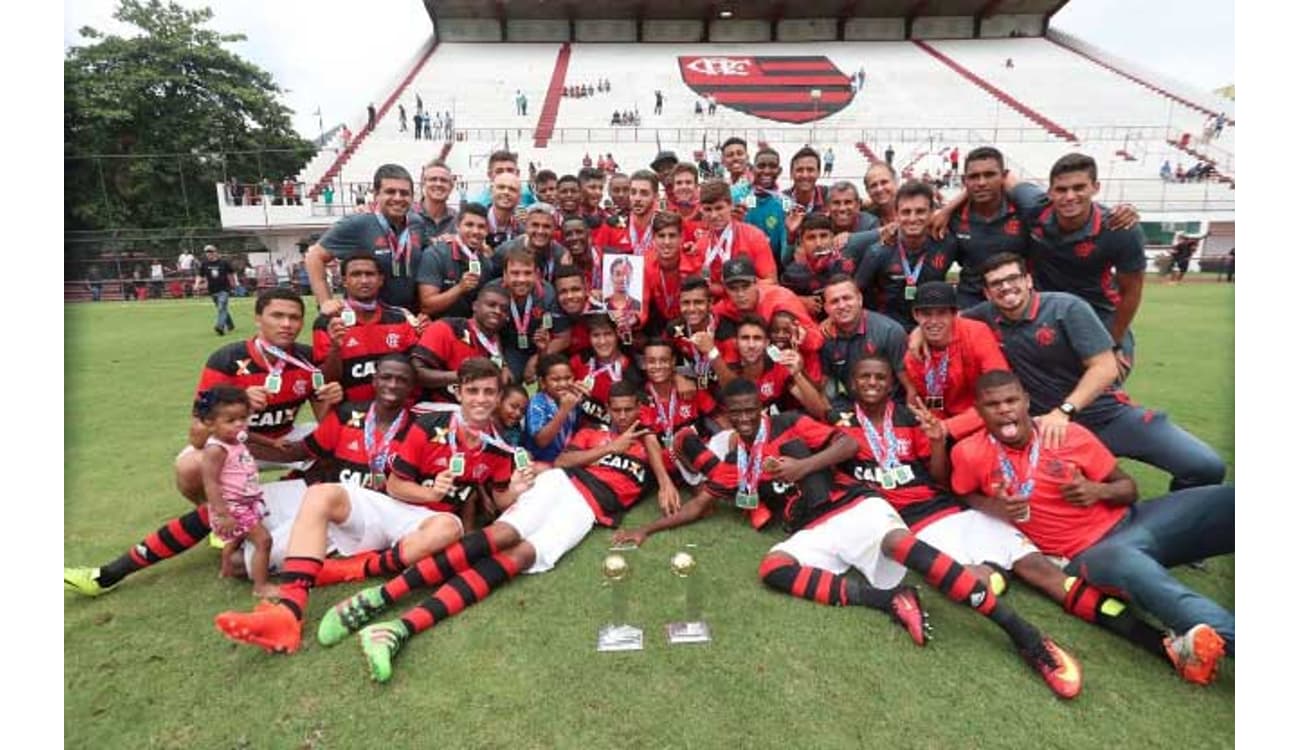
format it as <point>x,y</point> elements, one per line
<point>746,295</point>
<point>956,352</point>
<point>220,278</point>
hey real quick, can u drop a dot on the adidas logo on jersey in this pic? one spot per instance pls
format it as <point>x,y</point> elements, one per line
<point>354,446</point>
<point>351,342</point>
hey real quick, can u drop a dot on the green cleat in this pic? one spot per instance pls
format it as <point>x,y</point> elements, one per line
<point>84,581</point>
<point>380,643</point>
<point>350,615</point>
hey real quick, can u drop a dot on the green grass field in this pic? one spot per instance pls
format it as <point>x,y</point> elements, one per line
<point>145,668</point>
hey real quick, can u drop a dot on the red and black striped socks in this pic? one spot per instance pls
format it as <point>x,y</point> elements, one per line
<point>433,570</point>
<point>822,586</point>
<point>466,588</point>
<point>171,539</point>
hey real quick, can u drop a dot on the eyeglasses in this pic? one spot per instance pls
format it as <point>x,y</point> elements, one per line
<point>1004,281</point>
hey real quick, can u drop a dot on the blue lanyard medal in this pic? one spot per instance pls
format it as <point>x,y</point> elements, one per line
<point>893,473</point>
<point>1016,486</point>
<point>910,274</point>
<point>935,377</point>
<point>378,455</point>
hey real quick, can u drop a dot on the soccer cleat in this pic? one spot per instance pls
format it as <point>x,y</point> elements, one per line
<point>350,615</point>
<point>905,609</point>
<point>84,581</point>
<point>1196,653</point>
<point>270,626</point>
<point>343,569</point>
<point>1059,669</point>
<point>380,643</point>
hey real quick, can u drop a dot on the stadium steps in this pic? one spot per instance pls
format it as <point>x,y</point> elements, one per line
<point>551,109</point>
<point>999,94</point>
<point>866,151</point>
<point>1218,176</point>
<point>360,137</point>
<point>1159,90</point>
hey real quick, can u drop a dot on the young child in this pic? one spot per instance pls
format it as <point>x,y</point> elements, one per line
<point>230,483</point>
<point>510,414</point>
<point>553,410</point>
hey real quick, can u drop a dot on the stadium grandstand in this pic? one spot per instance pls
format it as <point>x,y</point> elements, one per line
<point>935,75</point>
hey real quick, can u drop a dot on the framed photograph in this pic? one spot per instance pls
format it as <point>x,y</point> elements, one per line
<point>623,282</point>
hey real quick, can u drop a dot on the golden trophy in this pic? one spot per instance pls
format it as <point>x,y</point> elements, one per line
<point>693,628</point>
<point>616,634</point>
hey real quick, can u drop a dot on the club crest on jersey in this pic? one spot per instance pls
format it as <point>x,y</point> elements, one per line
<point>1012,226</point>
<point>777,88</point>
<point>767,390</point>
<point>392,340</point>
<point>1084,249</point>
<point>300,388</point>
<point>1045,335</point>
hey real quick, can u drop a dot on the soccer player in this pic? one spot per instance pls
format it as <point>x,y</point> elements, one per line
<point>669,408</point>
<point>436,182</point>
<point>781,381</point>
<point>957,351</point>
<point>582,253</point>
<point>816,263</point>
<point>735,159</point>
<point>684,197</point>
<point>632,232</point>
<point>1073,500</point>
<point>347,347</point>
<point>721,238</point>
<point>394,234</point>
<point>534,317</point>
<point>503,225</point>
<point>746,295</point>
<point>592,184</point>
<point>598,368</point>
<point>805,196</point>
<point>573,297</point>
<point>766,210</point>
<point>448,342</point>
<point>888,275</point>
<point>539,241</point>
<point>1057,345</point>
<point>568,198</point>
<point>663,272</point>
<point>851,332</point>
<point>442,458</point>
<point>698,326</point>
<point>598,477</point>
<point>781,467</point>
<point>453,270</point>
<point>545,186</point>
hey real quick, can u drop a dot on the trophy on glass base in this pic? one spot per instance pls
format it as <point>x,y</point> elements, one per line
<point>692,629</point>
<point>616,634</point>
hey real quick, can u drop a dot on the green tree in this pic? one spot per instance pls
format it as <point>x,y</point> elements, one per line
<point>152,121</point>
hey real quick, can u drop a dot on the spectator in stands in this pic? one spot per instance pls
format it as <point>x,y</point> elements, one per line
<point>370,116</point>
<point>327,193</point>
<point>699,108</point>
<point>586,160</point>
<point>289,189</point>
<point>828,161</point>
<point>401,118</point>
<point>346,136</point>
<point>615,119</point>
<point>446,129</point>
<point>713,105</point>
<point>185,262</point>
<point>95,281</point>
<point>232,191</point>
<point>268,192</point>
<point>1166,172</point>
<point>889,155</point>
<point>1010,64</point>
<point>419,125</point>
<point>220,279</point>
<point>1179,174</point>
<point>953,158</point>
<point>659,102</point>
<point>1219,122</point>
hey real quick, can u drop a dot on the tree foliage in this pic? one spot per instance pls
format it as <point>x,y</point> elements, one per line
<point>179,107</point>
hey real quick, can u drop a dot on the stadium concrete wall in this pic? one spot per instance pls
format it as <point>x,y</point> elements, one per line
<point>537,30</point>
<point>739,30</point>
<point>470,30</point>
<point>1002,26</point>
<point>943,27</point>
<point>672,31</point>
<point>806,30</point>
<point>611,30</point>
<point>874,30</point>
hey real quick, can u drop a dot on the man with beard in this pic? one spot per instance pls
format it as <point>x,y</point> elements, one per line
<point>631,232</point>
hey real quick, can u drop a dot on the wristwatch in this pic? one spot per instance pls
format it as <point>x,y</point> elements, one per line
<point>1068,409</point>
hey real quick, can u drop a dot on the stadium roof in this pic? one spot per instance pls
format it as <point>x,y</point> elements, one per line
<point>765,9</point>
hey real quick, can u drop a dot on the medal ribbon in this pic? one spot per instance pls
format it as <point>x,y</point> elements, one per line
<point>401,245</point>
<point>267,348</point>
<point>521,322</point>
<point>912,274</point>
<point>640,243</point>
<point>749,474</point>
<point>886,450</point>
<point>615,370</point>
<point>936,377</point>
<point>721,247</point>
<point>378,454</point>
<point>489,437</point>
<point>667,419</point>
<point>493,350</point>
<point>669,299</point>
<point>1022,488</point>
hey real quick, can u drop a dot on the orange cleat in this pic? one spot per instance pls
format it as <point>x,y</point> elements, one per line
<point>905,609</point>
<point>1196,653</point>
<point>344,569</point>
<point>271,627</point>
<point>1058,668</point>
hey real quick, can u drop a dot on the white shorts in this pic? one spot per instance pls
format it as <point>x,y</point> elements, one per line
<point>377,521</point>
<point>971,537</point>
<point>851,538</point>
<point>553,516</point>
<point>283,499</point>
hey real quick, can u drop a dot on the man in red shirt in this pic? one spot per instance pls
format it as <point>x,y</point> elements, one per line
<point>599,476</point>
<point>683,189</point>
<point>782,467</point>
<point>1074,501</point>
<point>448,342</point>
<point>413,517</point>
<point>663,272</point>
<point>956,351</point>
<point>632,233</point>
<point>721,238</point>
<point>746,295</point>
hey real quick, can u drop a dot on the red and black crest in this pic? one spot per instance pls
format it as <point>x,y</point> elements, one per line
<point>1045,335</point>
<point>774,88</point>
<point>1085,248</point>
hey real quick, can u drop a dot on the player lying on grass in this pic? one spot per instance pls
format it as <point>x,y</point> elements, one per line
<point>782,466</point>
<point>1074,501</point>
<point>601,473</point>
<point>433,472</point>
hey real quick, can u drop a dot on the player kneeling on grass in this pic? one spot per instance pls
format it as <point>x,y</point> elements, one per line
<point>601,473</point>
<point>441,455</point>
<point>782,466</point>
<point>1074,501</point>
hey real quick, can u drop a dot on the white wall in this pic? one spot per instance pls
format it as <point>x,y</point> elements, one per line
<point>943,27</point>
<point>740,30</point>
<point>613,30</point>
<point>873,29</point>
<point>806,30</point>
<point>672,31</point>
<point>470,30</point>
<point>1001,26</point>
<point>537,30</point>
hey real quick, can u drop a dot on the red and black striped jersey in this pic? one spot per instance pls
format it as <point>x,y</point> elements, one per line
<point>920,501</point>
<point>384,331</point>
<point>615,482</point>
<point>240,364</point>
<point>428,448</point>
<point>672,419</point>
<point>724,335</point>
<point>773,383</point>
<point>341,438</point>
<point>448,342</point>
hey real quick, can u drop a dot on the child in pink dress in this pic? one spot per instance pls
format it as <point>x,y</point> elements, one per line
<point>230,483</point>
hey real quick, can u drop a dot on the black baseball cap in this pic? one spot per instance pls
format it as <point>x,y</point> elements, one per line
<point>663,158</point>
<point>740,268</point>
<point>935,294</point>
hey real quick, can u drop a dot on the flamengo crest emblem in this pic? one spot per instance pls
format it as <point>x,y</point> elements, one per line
<point>773,88</point>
